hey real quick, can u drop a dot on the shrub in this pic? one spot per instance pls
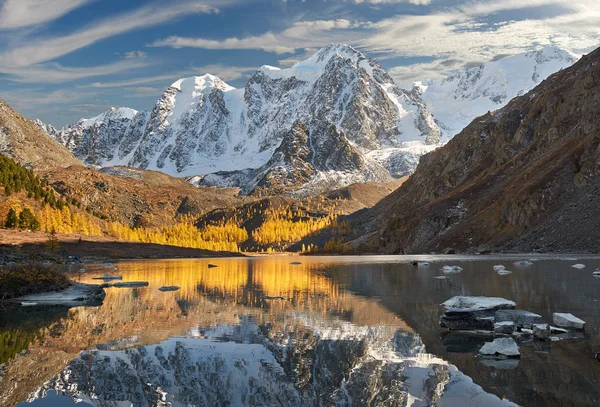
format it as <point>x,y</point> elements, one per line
<point>25,279</point>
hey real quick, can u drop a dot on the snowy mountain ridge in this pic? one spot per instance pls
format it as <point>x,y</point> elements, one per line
<point>334,119</point>
<point>458,99</point>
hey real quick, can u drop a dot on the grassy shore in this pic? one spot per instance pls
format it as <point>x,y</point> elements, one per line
<point>24,279</point>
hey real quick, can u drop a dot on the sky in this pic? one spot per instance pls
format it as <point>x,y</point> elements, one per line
<point>61,60</point>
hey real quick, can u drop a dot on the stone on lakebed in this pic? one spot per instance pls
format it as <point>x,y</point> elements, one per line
<point>541,331</point>
<point>504,327</point>
<point>501,347</point>
<point>478,302</point>
<point>566,320</point>
<point>521,318</point>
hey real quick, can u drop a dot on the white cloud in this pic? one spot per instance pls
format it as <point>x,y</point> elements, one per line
<point>136,54</point>
<point>463,34</point>
<point>36,51</point>
<point>417,2</point>
<point>300,35</point>
<point>56,73</point>
<point>23,13</point>
<point>227,73</point>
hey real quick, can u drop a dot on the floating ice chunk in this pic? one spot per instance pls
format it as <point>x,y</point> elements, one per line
<point>578,266</point>
<point>499,267</point>
<point>441,277</point>
<point>504,272</point>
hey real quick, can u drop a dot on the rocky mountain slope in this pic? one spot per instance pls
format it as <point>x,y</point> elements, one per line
<point>524,177</point>
<point>332,120</point>
<point>458,99</point>
<point>24,142</point>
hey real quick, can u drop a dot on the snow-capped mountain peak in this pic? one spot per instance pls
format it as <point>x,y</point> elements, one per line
<point>114,113</point>
<point>336,100</point>
<point>203,84</point>
<point>458,99</point>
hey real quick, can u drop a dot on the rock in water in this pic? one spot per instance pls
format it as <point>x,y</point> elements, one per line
<point>169,288</point>
<point>522,263</point>
<point>468,319</point>
<point>504,272</point>
<point>212,266</point>
<point>541,331</point>
<point>452,269</point>
<point>499,267</point>
<point>566,320</point>
<point>521,318</point>
<point>504,327</point>
<point>501,347</point>
<point>478,302</point>
<point>130,284</point>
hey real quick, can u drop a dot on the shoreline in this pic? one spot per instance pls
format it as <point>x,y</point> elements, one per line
<point>23,246</point>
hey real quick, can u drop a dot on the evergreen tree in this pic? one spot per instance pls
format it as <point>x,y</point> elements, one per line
<point>12,221</point>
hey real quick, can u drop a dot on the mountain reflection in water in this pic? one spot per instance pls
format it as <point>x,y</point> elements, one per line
<point>328,331</point>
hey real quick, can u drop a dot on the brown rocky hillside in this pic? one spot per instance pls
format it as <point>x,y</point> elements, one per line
<point>25,143</point>
<point>525,178</point>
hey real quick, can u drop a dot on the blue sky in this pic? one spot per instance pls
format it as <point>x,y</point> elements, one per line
<point>65,59</point>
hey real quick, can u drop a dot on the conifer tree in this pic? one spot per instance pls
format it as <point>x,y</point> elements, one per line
<point>12,220</point>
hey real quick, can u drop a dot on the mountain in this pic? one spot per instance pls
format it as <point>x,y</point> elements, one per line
<point>23,141</point>
<point>332,120</point>
<point>458,99</point>
<point>522,178</point>
<point>340,111</point>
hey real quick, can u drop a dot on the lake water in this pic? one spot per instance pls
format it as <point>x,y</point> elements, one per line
<point>328,331</point>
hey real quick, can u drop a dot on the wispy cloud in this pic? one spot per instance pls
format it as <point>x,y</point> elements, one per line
<point>300,35</point>
<point>40,50</point>
<point>56,73</point>
<point>23,13</point>
<point>227,73</point>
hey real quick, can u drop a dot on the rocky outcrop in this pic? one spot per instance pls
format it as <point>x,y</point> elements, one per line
<point>520,178</point>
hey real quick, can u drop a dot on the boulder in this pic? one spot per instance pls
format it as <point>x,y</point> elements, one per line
<point>468,319</point>
<point>479,302</point>
<point>504,327</point>
<point>501,347</point>
<point>521,318</point>
<point>541,331</point>
<point>449,250</point>
<point>570,321</point>
<point>484,249</point>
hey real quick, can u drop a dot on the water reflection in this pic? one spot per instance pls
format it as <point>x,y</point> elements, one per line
<point>325,332</point>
